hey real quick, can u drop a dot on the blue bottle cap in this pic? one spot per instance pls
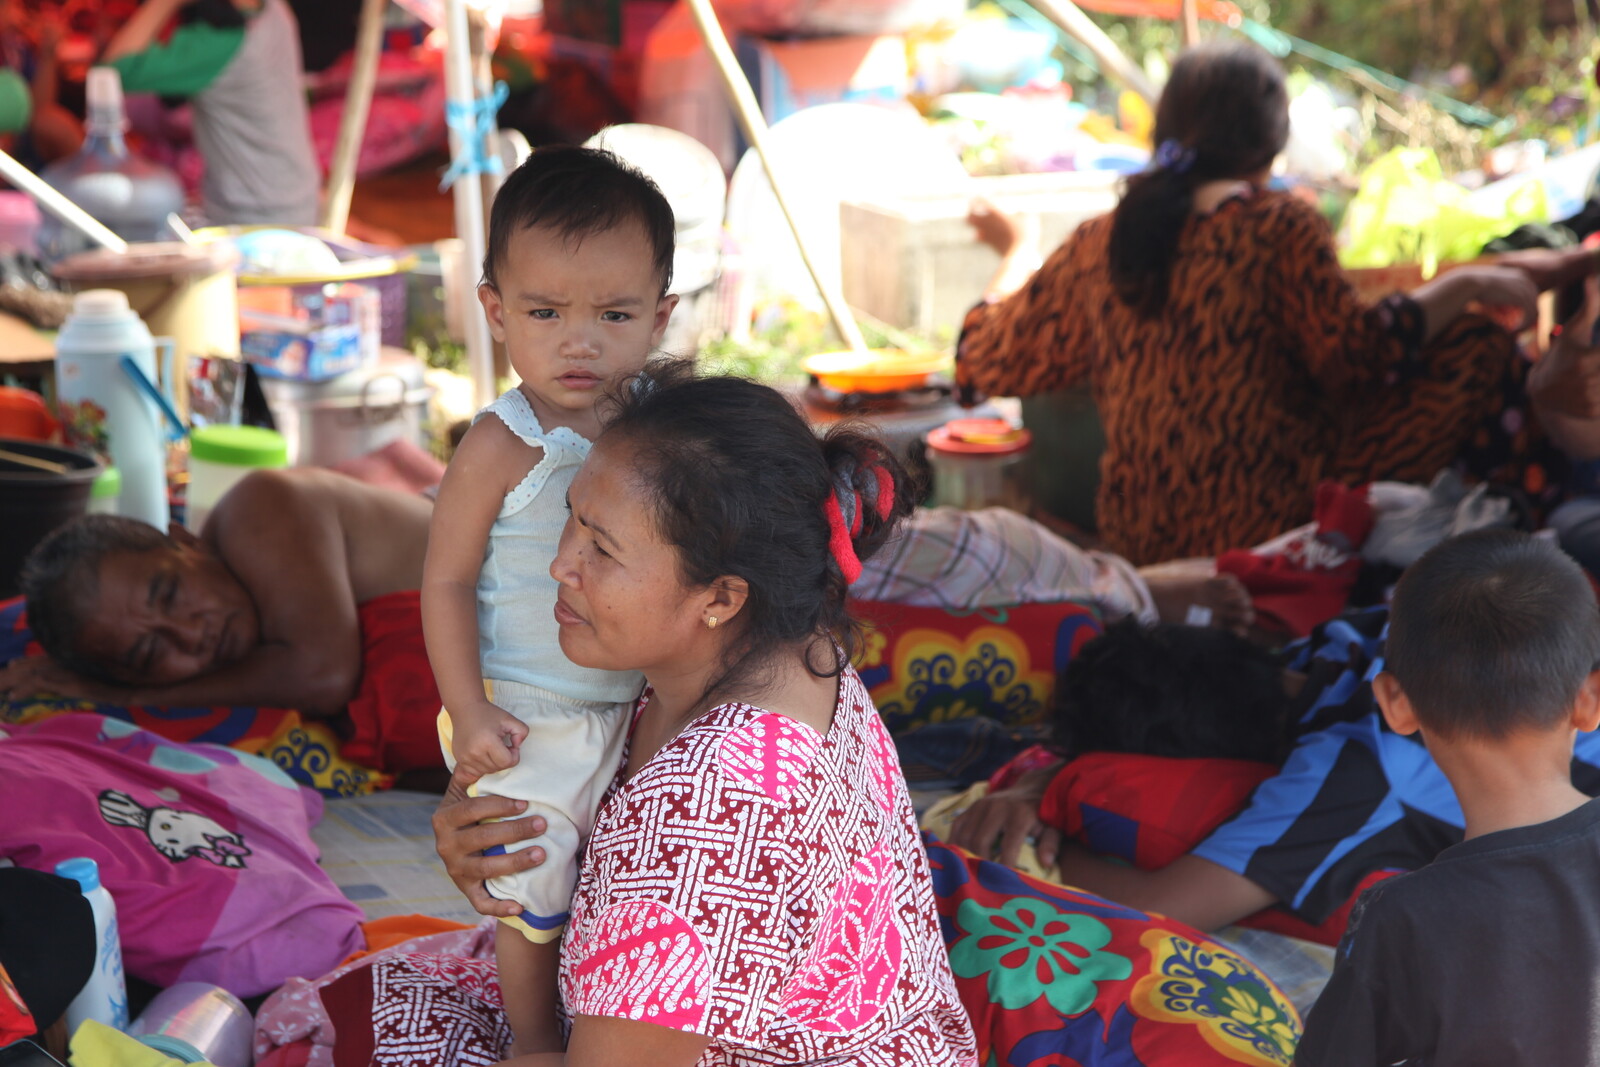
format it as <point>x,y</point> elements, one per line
<point>83,870</point>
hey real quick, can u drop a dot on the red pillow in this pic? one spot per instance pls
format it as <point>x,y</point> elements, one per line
<point>1150,810</point>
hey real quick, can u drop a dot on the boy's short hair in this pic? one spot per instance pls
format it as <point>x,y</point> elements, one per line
<point>579,192</point>
<point>1167,690</point>
<point>1492,632</point>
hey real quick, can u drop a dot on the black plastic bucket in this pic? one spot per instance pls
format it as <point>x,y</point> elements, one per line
<point>34,502</point>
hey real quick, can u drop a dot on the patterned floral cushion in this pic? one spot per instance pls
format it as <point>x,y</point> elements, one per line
<point>307,751</point>
<point>927,665</point>
<point>963,692</point>
<point>1053,976</point>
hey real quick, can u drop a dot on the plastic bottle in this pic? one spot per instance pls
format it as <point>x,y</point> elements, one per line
<point>105,997</point>
<point>127,192</point>
<point>220,456</point>
<point>101,329</point>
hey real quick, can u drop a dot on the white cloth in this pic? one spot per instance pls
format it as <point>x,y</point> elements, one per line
<point>1410,519</point>
<point>959,560</point>
<point>518,636</point>
<point>568,759</point>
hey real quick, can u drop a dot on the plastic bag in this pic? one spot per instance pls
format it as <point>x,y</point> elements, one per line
<point>1407,212</point>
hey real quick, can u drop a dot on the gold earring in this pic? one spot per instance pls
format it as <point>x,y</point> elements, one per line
<point>711,622</point>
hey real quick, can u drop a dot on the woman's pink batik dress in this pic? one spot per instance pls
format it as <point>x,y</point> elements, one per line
<point>764,885</point>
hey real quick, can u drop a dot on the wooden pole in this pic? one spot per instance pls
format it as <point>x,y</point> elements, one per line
<point>755,131</point>
<point>468,194</point>
<point>353,123</point>
<point>490,180</point>
<point>1191,23</point>
<point>1072,20</point>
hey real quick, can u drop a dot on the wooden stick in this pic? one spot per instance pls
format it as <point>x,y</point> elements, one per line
<point>468,196</point>
<point>53,201</point>
<point>353,124</point>
<point>33,461</point>
<point>1074,22</point>
<point>755,131</point>
<point>1191,23</point>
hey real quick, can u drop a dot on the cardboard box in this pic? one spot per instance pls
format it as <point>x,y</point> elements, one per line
<point>310,337</point>
<point>913,262</point>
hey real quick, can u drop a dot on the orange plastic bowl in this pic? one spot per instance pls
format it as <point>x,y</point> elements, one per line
<point>880,370</point>
<point>23,414</point>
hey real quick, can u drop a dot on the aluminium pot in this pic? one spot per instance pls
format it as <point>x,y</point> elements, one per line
<point>343,418</point>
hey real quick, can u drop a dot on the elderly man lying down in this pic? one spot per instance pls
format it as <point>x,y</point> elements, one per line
<point>299,592</point>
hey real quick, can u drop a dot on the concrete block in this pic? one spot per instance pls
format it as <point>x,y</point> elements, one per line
<point>913,262</point>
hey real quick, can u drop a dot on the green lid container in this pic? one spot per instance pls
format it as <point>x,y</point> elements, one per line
<point>107,484</point>
<point>239,446</point>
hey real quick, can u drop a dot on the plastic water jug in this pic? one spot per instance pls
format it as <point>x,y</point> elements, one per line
<point>127,192</point>
<point>99,332</point>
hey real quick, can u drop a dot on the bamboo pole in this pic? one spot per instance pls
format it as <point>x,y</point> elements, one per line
<point>55,202</point>
<point>755,131</point>
<point>1072,20</point>
<point>353,123</point>
<point>468,194</point>
<point>1191,23</point>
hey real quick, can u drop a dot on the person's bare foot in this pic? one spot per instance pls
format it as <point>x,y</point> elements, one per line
<point>1191,591</point>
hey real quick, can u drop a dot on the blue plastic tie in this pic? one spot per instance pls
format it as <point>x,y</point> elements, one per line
<point>176,430</point>
<point>473,121</point>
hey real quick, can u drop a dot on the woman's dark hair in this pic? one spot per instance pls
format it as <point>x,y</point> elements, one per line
<point>579,192</point>
<point>739,483</point>
<point>1226,111</point>
<point>1182,691</point>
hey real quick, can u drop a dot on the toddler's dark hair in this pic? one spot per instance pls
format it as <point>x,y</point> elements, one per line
<point>739,482</point>
<point>1492,632</point>
<point>578,192</point>
<point>1167,690</point>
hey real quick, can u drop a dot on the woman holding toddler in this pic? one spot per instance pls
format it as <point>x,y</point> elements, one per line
<point>754,890</point>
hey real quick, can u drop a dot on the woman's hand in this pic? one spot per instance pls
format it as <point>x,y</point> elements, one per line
<point>994,227</point>
<point>1510,290</point>
<point>1564,384</point>
<point>997,826</point>
<point>460,835</point>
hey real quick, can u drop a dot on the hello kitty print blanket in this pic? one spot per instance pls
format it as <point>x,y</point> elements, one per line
<point>206,850</point>
<point>764,884</point>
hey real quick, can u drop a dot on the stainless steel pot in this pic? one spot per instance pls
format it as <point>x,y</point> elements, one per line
<point>356,413</point>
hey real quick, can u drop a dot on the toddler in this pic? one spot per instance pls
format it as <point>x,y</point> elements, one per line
<point>575,286</point>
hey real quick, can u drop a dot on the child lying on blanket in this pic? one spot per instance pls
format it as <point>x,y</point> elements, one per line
<point>299,584</point>
<point>1351,798</point>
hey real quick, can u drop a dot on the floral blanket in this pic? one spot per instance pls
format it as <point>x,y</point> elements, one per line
<point>1055,977</point>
